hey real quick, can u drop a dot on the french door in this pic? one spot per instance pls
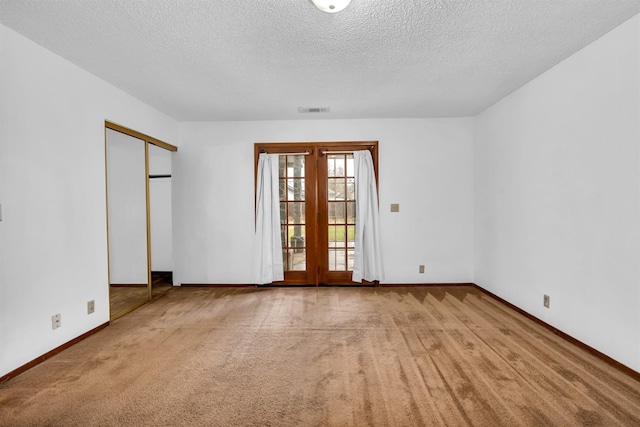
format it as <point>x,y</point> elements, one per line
<point>317,209</point>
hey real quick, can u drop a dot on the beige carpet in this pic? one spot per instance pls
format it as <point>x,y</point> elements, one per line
<point>322,357</point>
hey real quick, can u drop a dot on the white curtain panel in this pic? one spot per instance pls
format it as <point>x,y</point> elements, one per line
<point>267,245</point>
<point>367,261</point>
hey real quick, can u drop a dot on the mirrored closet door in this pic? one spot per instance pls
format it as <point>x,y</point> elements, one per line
<point>138,170</point>
<point>126,221</point>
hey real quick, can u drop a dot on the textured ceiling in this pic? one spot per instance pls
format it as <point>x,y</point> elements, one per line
<point>262,59</point>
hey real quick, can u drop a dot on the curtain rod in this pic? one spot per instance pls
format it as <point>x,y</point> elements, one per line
<point>305,153</point>
<point>345,151</point>
<point>337,152</point>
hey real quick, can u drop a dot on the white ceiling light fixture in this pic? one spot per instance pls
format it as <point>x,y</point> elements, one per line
<point>331,6</point>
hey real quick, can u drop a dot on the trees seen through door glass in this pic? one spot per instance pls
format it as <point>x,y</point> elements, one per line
<point>341,211</point>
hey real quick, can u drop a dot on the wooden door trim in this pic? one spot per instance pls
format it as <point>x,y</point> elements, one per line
<point>314,151</point>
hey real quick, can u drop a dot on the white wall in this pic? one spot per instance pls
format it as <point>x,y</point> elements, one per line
<point>127,207</point>
<point>160,205</point>
<point>425,165</point>
<point>557,195</point>
<point>53,238</point>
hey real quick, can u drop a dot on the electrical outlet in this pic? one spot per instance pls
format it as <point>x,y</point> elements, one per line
<point>545,301</point>
<point>395,207</point>
<point>56,321</point>
<point>91,306</point>
<point>421,269</point>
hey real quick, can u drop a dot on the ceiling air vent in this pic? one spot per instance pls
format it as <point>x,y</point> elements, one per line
<point>302,110</point>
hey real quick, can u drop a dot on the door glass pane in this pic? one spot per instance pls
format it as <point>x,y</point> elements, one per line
<point>296,260</point>
<point>295,189</point>
<point>351,236</point>
<point>283,236</point>
<point>336,213</point>
<point>282,191</point>
<point>337,259</point>
<point>350,170</point>
<point>293,211</point>
<point>332,259</point>
<point>339,165</point>
<point>296,236</point>
<point>351,189</point>
<point>351,212</point>
<point>331,165</point>
<point>295,166</point>
<point>333,236</point>
<point>283,213</point>
<point>336,189</point>
<point>341,236</point>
